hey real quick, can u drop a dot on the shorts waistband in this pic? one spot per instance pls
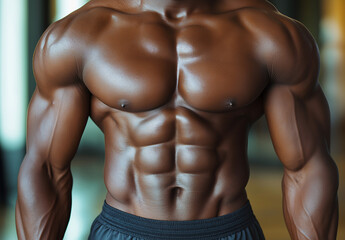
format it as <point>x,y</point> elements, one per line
<point>141,227</point>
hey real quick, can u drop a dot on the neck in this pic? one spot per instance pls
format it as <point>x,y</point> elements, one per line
<point>177,8</point>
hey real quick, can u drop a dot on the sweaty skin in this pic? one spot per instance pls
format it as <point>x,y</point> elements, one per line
<point>175,86</point>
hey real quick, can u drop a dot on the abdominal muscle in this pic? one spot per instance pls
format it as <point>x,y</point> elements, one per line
<point>181,174</point>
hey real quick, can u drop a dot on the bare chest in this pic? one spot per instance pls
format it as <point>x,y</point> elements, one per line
<point>206,63</point>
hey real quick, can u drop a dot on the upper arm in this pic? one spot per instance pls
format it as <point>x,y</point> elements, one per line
<point>295,106</point>
<point>59,108</point>
<point>299,122</point>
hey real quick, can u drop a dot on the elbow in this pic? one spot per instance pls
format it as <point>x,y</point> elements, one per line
<point>293,161</point>
<point>29,172</point>
<point>33,174</point>
<point>333,174</point>
<point>319,169</point>
<point>37,179</point>
<point>25,173</point>
<point>322,166</point>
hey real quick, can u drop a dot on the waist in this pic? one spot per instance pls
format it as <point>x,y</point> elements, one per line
<point>146,228</point>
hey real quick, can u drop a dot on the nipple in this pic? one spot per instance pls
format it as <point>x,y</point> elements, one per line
<point>230,103</point>
<point>123,103</point>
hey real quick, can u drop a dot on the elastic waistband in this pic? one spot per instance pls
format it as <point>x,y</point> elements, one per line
<point>211,228</point>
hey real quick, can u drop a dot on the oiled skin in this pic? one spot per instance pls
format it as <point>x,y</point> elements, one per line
<point>175,87</point>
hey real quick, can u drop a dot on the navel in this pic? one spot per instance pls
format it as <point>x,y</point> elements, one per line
<point>176,192</point>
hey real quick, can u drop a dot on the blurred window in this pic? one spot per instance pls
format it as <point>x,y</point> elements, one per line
<point>13,73</point>
<point>65,7</point>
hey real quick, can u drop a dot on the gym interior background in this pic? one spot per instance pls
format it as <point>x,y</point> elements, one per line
<point>22,23</point>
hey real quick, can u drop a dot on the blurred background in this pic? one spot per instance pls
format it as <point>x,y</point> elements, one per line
<point>21,24</point>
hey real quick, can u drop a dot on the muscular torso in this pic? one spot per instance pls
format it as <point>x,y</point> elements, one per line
<point>175,86</point>
<point>175,99</point>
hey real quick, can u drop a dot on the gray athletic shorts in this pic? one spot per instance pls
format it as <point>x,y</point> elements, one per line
<point>113,224</point>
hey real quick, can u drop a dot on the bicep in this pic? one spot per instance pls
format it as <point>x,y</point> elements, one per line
<point>299,125</point>
<point>55,125</point>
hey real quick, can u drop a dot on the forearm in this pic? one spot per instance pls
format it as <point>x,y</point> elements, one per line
<point>44,201</point>
<point>310,201</point>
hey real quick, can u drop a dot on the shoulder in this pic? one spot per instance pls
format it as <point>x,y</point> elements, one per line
<point>54,60</point>
<point>284,45</point>
<point>270,25</point>
<point>77,29</point>
<point>62,47</point>
<point>275,31</point>
<point>76,26</point>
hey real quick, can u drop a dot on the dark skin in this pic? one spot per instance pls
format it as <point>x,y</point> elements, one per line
<point>175,86</point>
